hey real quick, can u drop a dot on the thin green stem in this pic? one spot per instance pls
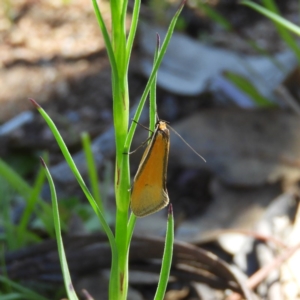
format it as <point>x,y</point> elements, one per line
<point>152,99</point>
<point>92,171</point>
<point>117,51</point>
<point>132,31</point>
<point>167,258</point>
<point>31,203</point>
<point>61,252</point>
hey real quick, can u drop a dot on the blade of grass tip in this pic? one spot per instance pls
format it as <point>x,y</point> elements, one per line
<point>92,171</point>
<point>167,258</point>
<point>276,18</point>
<point>152,77</point>
<point>112,292</point>
<point>26,293</point>
<point>62,256</point>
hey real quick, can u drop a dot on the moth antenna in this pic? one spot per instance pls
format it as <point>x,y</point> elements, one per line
<point>187,143</point>
<point>145,127</point>
<point>140,146</point>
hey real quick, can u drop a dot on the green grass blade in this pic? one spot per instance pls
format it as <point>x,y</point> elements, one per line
<point>215,16</point>
<point>276,18</point>
<point>152,98</point>
<point>106,37</point>
<point>151,78</point>
<point>92,171</point>
<point>11,296</point>
<point>255,45</point>
<point>22,187</point>
<point>6,287</point>
<point>132,31</point>
<point>11,233</point>
<point>69,160</point>
<point>61,251</point>
<point>248,88</point>
<point>130,228</point>
<point>35,192</point>
<point>25,292</point>
<point>72,165</point>
<point>5,217</point>
<point>283,32</point>
<point>123,16</point>
<point>158,56</point>
<point>281,24</point>
<point>13,178</point>
<point>167,258</point>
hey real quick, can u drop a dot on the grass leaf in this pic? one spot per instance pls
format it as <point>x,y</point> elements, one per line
<point>61,251</point>
<point>167,258</point>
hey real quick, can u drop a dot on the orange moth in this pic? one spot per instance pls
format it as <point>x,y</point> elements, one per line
<point>149,193</point>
